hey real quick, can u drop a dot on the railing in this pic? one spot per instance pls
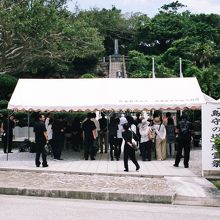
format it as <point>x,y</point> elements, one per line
<point>114,58</point>
<point>124,67</point>
<point>110,66</point>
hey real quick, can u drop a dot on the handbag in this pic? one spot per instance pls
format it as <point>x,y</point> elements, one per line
<point>134,143</point>
<point>48,149</point>
<point>151,134</point>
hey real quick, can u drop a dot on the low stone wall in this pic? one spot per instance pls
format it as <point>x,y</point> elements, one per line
<point>212,174</point>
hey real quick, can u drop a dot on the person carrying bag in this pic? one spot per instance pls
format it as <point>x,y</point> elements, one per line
<point>129,151</point>
<point>134,143</point>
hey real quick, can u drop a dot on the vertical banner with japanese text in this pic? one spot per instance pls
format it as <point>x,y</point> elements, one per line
<point>210,130</point>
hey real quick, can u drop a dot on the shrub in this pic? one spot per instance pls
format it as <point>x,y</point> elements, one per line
<point>3,104</point>
<point>88,75</point>
<point>7,85</point>
<point>217,146</point>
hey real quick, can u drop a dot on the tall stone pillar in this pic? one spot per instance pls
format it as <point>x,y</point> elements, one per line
<point>116,51</point>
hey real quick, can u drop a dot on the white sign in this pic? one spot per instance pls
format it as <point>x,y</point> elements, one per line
<point>210,130</point>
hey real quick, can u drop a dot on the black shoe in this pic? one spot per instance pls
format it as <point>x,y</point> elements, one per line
<point>37,165</point>
<point>187,166</point>
<point>175,165</point>
<point>45,165</point>
<point>112,159</point>
<point>10,152</point>
<point>93,158</point>
<point>59,158</point>
<point>125,170</point>
<point>137,168</point>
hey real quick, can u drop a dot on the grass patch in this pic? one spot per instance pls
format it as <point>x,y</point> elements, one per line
<point>216,183</point>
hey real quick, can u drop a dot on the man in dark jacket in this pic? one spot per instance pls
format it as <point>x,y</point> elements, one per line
<point>41,139</point>
<point>184,130</point>
<point>58,128</point>
<point>103,133</point>
<point>89,135</point>
<point>7,133</point>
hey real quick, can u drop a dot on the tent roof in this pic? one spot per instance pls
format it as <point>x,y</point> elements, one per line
<point>106,94</point>
<point>209,98</point>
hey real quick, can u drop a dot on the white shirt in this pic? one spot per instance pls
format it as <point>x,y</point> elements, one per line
<point>119,131</point>
<point>49,131</point>
<point>144,134</point>
<point>133,128</point>
<point>96,122</point>
<point>160,131</point>
<point>47,122</point>
<point>123,120</point>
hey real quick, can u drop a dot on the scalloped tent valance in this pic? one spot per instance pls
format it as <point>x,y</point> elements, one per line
<point>106,94</point>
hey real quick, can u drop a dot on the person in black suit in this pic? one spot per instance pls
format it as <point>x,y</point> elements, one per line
<point>114,146</point>
<point>58,128</point>
<point>184,130</point>
<point>89,136</point>
<point>129,151</point>
<point>8,133</point>
<point>41,138</point>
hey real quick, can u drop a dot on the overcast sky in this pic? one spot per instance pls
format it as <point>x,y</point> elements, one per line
<point>149,7</point>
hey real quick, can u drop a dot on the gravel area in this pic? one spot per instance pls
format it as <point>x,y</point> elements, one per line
<point>90,183</point>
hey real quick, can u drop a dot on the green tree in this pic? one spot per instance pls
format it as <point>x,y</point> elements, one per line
<point>171,8</point>
<point>111,24</point>
<point>167,26</point>
<point>203,53</point>
<point>138,65</point>
<point>7,85</point>
<point>47,37</point>
<point>210,81</point>
<point>140,29</point>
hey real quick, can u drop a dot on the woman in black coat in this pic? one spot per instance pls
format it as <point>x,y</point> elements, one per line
<point>129,151</point>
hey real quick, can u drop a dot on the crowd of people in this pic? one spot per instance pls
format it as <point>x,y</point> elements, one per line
<point>154,135</point>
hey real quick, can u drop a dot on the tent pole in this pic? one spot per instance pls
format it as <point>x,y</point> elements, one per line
<point>181,73</point>
<point>28,125</point>
<point>153,68</point>
<point>181,76</point>
<point>7,136</point>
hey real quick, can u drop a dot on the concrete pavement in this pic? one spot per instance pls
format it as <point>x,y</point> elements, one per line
<point>44,208</point>
<point>103,179</point>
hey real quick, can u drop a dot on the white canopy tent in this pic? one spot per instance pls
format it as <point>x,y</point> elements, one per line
<point>106,94</point>
<point>120,95</point>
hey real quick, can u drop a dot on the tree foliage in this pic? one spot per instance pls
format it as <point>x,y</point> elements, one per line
<point>41,38</point>
<point>7,85</point>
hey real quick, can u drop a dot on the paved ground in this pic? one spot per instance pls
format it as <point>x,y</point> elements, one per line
<point>73,162</point>
<point>39,208</point>
<point>73,177</point>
